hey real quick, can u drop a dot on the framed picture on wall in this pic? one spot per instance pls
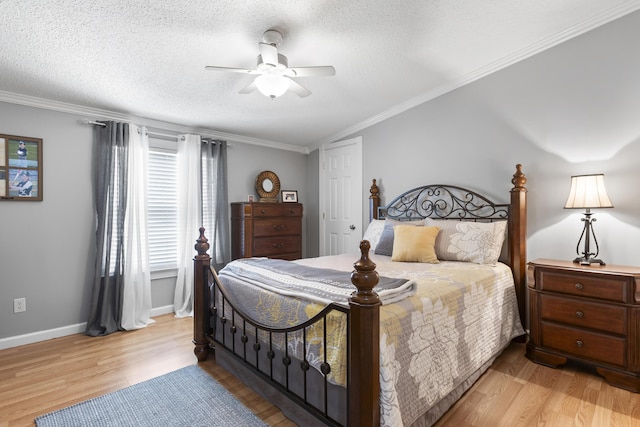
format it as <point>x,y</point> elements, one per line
<point>289,196</point>
<point>20,168</point>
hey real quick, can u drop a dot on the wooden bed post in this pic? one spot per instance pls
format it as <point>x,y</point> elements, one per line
<point>374,201</point>
<point>364,343</point>
<point>201,298</point>
<point>518,238</point>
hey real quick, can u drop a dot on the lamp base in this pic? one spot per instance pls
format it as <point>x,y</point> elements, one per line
<point>588,261</point>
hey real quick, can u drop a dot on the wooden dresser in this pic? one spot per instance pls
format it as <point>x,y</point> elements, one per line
<point>589,314</point>
<point>271,230</point>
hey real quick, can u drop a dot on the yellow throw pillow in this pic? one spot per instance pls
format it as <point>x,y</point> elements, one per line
<point>415,244</point>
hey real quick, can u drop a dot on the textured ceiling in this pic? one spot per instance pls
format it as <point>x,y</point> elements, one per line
<point>146,59</point>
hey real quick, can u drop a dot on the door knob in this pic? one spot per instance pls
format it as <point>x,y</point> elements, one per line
<point>352,227</point>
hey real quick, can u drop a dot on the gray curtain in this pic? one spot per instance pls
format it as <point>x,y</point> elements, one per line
<point>111,144</point>
<point>216,202</point>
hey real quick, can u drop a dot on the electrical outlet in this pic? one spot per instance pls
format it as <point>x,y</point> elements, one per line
<point>19,305</point>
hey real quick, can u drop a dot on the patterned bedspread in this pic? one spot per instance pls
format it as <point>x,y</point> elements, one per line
<point>461,316</point>
<point>281,294</point>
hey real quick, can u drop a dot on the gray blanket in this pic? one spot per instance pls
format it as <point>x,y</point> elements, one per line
<point>317,285</point>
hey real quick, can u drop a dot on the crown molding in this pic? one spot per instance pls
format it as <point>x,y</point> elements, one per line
<point>98,114</point>
<point>517,56</point>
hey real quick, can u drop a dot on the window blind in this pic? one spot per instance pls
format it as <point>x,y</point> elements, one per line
<point>163,209</point>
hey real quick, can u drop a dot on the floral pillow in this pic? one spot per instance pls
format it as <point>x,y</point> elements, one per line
<point>478,242</point>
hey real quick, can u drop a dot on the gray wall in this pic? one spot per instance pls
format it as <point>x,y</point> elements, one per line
<point>46,248</point>
<point>570,110</point>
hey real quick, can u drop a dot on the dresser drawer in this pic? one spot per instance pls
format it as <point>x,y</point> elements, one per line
<point>591,285</point>
<point>593,315</point>
<point>584,344</point>
<point>276,227</point>
<point>276,210</point>
<point>267,246</point>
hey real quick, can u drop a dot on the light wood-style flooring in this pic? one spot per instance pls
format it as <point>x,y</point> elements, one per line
<point>42,377</point>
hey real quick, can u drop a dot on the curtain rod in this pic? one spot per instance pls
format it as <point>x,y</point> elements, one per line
<point>92,122</point>
<point>163,135</point>
<point>151,133</point>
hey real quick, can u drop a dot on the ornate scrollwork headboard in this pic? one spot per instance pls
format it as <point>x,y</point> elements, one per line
<point>443,202</point>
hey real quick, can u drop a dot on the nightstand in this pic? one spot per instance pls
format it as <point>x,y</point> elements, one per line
<point>589,314</point>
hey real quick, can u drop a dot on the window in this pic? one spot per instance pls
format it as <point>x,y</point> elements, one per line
<point>163,209</point>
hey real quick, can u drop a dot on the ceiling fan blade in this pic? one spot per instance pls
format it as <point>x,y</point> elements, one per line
<point>233,70</point>
<point>326,70</point>
<point>248,89</point>
<point>269,54</point>
<point>298,89</point>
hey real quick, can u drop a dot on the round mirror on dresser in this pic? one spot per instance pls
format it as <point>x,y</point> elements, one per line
<point>268,186</point>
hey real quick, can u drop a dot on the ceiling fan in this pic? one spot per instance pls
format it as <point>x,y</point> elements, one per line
<point>274,74</point>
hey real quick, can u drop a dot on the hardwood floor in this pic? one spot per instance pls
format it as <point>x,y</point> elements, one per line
<point>42,377</point>
<point>39,378</point>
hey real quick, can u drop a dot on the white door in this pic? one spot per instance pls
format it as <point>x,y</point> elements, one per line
<point>341,197</point>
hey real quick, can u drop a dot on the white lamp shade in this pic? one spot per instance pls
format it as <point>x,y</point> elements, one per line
<point>272,85</point>
<point>588,192</point>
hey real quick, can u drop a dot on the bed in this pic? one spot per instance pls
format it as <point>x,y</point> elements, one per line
<point>415,326</point>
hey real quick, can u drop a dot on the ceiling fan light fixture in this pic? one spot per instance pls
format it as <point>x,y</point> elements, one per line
<point>272,85</point>
<point>274,75</point>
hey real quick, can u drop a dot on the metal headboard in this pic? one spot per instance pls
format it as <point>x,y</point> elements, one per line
<point>443,202</point>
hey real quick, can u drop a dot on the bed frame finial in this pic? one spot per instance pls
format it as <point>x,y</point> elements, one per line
<point>519,179</point>
<point>365,277</point>
<point>202,243</point>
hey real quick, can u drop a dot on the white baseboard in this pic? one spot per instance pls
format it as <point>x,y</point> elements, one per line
<point>63,331</point>
<point>159,311</point>
<point>42,335</point>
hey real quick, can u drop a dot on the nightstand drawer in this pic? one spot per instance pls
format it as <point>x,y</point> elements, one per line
<point>591,285</point>
<point>593,315</point>
<point>584,344</point>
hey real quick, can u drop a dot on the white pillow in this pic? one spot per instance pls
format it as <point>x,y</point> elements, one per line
<point>479,242</point>
<point>373,233</point>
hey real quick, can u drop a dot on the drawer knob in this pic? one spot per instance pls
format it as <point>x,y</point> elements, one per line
<point>579,314</point>
<point>278,227</point>
<point>291,211</point>
<point>579,343</point>
<point>579,286</point>
<point>262,211</point>
<point>278,245</point>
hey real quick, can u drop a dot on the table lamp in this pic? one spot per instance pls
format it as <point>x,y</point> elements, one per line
<point>588,192</point>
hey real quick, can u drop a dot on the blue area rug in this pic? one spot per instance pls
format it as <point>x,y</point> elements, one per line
<point>186,397</point>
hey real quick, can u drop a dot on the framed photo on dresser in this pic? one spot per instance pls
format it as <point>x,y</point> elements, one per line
<point>289,196</point>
